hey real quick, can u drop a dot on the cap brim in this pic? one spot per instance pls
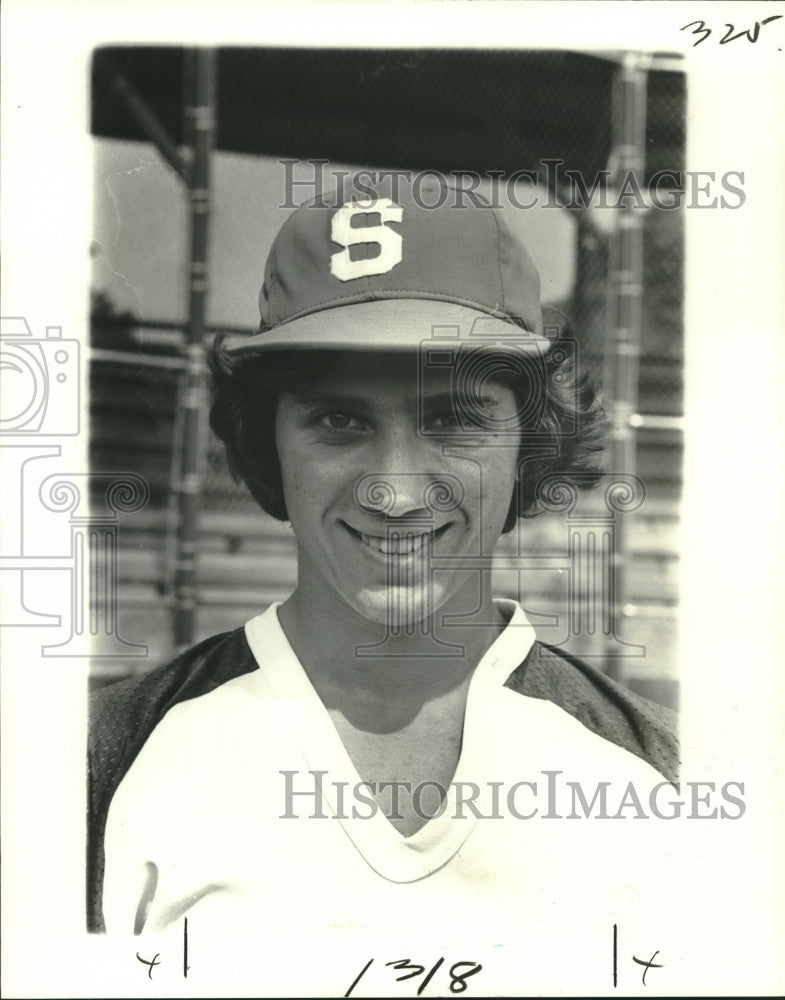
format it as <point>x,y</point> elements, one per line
<point>391,325</point>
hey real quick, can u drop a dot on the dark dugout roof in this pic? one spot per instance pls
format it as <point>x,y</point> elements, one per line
<point>444,110</point>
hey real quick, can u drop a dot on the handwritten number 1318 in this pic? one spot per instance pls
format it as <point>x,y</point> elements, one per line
<point>459,973</point>
<point>699,28</point>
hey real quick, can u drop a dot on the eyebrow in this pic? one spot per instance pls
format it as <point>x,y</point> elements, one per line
<point>311,399</point>
<point>429,400</point>
<point>448,399</point>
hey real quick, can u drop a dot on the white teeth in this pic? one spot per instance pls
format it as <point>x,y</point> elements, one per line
<point>396,544</point>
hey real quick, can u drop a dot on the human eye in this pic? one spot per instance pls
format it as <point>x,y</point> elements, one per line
<point>442,422</point>
<point>339,423</point>
<point>454,420</point>
<point>469,420</point>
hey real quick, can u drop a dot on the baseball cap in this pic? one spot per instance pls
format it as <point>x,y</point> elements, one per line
<point>373,271</point>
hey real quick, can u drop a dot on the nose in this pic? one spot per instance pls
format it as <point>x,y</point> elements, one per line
<point>407,481</point>
<point>397,483</point>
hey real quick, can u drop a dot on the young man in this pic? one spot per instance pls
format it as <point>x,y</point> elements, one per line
<point>363,759</point>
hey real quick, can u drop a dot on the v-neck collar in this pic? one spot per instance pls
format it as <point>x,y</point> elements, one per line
<point>388,852</point>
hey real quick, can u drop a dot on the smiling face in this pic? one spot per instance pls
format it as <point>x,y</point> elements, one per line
<point>388,486</point>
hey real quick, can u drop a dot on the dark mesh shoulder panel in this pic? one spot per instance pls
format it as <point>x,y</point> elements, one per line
<point>604,706</point>
<point>122,717</point>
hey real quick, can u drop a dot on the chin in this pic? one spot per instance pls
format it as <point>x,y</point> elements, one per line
<point>400,610</point>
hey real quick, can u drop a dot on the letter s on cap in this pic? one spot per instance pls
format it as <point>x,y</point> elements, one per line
<point>389,242</point>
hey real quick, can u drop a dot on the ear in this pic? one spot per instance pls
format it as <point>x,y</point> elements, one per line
<point>512,513</point>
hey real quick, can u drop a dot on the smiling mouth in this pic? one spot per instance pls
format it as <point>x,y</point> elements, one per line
<point>399,542</point>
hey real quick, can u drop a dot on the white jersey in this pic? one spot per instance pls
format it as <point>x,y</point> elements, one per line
<point>244,813</point>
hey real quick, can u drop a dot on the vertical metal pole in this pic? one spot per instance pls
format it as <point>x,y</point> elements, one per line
<point>193,396</point>
<point>625,280</point>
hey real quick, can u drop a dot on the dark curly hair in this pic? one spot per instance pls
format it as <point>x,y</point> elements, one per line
<point>561,418</point>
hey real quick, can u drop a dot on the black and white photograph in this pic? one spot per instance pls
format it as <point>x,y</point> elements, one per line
<point>381,615</point>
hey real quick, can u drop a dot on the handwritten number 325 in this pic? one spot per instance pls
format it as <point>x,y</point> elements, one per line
<point>699,28</point>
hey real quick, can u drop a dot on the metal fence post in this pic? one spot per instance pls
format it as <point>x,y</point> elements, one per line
<point>625,291</point>
<point>192,400</point>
